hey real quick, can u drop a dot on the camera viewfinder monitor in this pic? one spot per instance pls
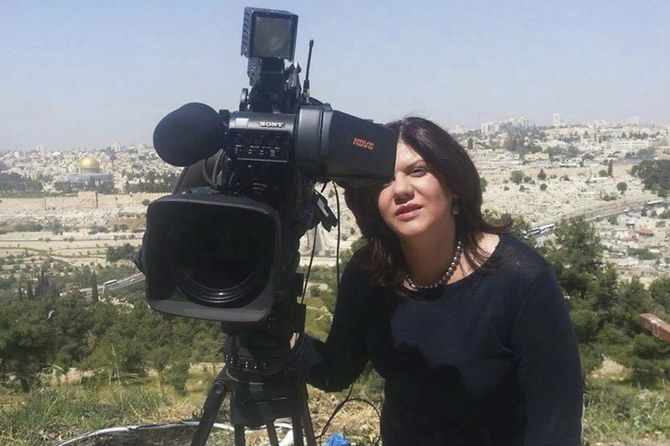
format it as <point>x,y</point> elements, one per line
<point>269,33</point>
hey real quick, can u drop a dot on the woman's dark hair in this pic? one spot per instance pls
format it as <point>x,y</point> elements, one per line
<point>382,256</point>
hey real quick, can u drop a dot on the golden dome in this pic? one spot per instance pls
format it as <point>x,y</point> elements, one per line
<point>89,164</point>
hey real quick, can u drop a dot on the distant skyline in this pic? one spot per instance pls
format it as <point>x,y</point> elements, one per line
<point>88,74</point>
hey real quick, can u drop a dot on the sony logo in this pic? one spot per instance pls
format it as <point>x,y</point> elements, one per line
<point>360,142</point>
<point>272,124</point>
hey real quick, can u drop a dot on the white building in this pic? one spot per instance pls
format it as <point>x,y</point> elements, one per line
<point>518,122</point>
<point>490,127</point>
<point>494,127</point>
<point>629,144</point>
<point>633,120</point>
<point>458,129</point>
<point>557,120</point>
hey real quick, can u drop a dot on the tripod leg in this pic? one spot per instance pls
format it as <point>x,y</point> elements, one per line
<point>239,435</point>
<point>306,417</point>
<point>209,411</point>
<point>272,433</point>
<point>297,431</point>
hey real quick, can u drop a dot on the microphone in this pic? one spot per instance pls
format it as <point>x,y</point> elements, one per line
<point>189,134</point>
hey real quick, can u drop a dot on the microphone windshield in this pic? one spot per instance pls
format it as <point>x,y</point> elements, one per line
<point>189,134</point>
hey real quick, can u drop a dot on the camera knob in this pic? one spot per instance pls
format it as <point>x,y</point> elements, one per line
<point>244,99</point>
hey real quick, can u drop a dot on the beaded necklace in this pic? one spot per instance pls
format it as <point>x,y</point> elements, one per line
<point>444,278</point>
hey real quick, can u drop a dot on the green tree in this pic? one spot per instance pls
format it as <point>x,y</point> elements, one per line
<point>176,374</point>
<point>541,175</point>
<point>654,174</point>
<point>576,254</point>
<point>120,350</point>
<point>601,292</point>
<point>622,187</point>
<point>659,293</point>
<point>94,288</point>
<point>517,176</point>
<point>124,252</point>
<point>64,187</point>
<point>591,288</point>
<point>631,346</point>
<point>70,324</point>
<point>27,346</point>
<point>631,300</point>
<point>101,317</point>
<point>30,294</point>
<point>207,342</point>
<point>586,324</point>
<point>647,356</point>
<point>519,227</point>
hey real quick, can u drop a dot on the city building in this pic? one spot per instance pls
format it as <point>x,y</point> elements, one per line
<point>557,121</point>
<point>89,173</point>
<point>630,144</point>
<point>504,125</point>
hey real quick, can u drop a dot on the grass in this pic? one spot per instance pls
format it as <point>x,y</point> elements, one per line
<point>616,412</point>
<point>621,412</point>
<point>52,413</point>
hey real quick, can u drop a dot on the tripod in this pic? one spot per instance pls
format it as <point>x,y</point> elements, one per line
<point>260,388</point>
<point>256,404</point>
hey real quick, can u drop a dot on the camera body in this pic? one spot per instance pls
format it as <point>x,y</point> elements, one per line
<point>224,245</point>
<point>322,143</point>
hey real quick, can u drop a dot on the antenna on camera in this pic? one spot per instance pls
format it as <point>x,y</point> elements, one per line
<point>305,84</point>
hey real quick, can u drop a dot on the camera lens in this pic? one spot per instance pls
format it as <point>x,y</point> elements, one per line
<point>221,256</point>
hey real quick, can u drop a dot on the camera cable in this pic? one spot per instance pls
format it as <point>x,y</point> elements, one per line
<point>348,398</point>
<point>311,257</point>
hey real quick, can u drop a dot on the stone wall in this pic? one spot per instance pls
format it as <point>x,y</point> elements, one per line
<point>83,200</point>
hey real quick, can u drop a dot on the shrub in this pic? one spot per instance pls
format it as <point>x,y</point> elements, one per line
<point>177,374</point>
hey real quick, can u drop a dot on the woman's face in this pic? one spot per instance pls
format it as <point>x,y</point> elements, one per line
<point>415,203</point>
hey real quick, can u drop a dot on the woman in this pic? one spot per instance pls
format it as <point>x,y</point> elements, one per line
<point>466,324</point>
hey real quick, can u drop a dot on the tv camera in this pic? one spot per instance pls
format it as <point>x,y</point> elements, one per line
<point>224,245</point>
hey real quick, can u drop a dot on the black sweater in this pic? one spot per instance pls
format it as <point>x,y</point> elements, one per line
<point>488,360</point>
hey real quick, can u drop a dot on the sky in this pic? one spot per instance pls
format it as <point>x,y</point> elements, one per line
<point>90,73</point>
